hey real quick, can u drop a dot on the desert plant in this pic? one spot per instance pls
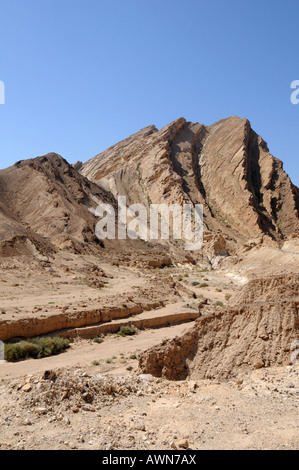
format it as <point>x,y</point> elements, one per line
<point>35,348</point>
<point>98,340</point>
<point>127,330</point>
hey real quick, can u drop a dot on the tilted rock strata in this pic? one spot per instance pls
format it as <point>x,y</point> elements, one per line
<point>226,167</point>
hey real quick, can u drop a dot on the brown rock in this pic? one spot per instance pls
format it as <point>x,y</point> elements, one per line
<point>183,444</point>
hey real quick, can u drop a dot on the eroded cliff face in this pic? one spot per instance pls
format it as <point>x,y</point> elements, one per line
<point>226,167</point>
<point>251,335</point>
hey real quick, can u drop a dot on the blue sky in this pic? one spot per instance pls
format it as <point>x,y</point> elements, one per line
<point>80,75</point>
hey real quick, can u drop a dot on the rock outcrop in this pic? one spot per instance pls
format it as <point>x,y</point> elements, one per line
<point>255,334</point>
<point>226,167</point>
<point>45,201</point>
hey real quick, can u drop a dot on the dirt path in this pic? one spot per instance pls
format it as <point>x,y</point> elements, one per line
<point>84,352</point>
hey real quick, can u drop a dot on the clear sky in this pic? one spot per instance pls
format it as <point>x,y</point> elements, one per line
<point>80,75</point>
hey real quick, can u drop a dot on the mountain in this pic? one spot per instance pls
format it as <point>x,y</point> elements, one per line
<point>45,202</point>
<point>226,167</point>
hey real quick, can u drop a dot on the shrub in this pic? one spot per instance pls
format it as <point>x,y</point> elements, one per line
<point>12,352</point>
<point>220,304</point>
<point>29,349</point>
<point>127,330</point>
<point>227,297</point>
<point>98,340</point>
<point>203,284</point>
<point>35,348</point>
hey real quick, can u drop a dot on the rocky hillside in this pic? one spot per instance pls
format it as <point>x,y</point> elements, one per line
<point>226,167</point>
<point>44,204</point>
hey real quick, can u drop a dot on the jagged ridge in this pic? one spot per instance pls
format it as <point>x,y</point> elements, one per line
<point>226,167</point>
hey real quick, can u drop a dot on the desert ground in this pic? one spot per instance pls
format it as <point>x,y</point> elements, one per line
<point>127,407</point>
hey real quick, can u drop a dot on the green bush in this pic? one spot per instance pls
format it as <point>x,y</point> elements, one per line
<point>35,348</point>
<point>98,340</point>
<point>127,331</point>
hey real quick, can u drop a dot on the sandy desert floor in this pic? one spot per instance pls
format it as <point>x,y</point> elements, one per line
<point>95,396</point>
